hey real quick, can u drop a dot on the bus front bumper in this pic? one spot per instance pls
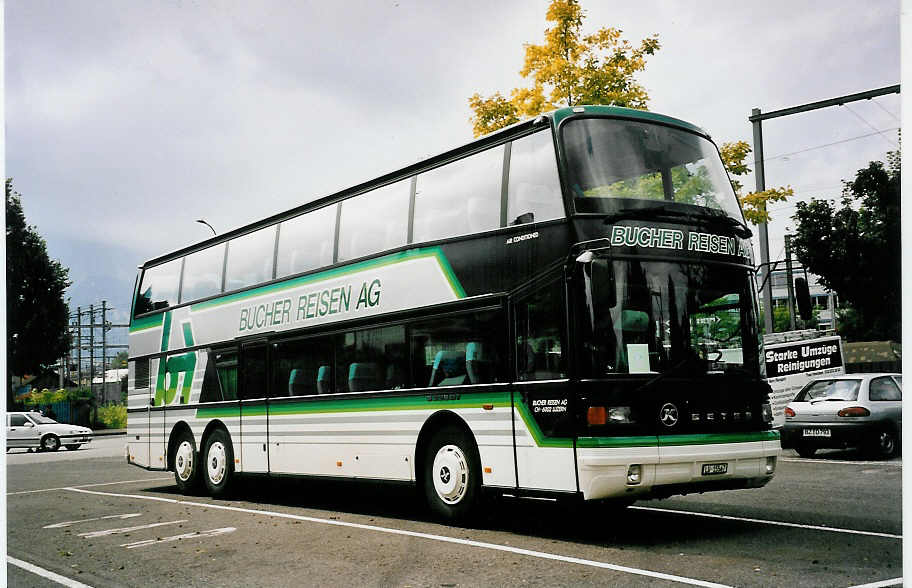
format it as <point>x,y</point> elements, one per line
<point>664,470</point>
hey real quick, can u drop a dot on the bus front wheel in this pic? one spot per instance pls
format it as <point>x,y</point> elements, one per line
<point>218,462</point>
<point>452,476</point>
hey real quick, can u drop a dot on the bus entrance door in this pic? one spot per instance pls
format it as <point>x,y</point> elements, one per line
<point>254,390</point>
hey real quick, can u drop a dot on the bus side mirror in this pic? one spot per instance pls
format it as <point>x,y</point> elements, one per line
<point>803,297</point>
<point>603,283</point>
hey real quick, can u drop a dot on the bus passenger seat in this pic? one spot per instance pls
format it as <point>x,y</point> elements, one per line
<point>478,365</point>
<point>362,376</point>
<point>449,369</point>
<point>323,380</point>
<point>296,384</point>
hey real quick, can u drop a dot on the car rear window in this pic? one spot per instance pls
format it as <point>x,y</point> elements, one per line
<point>829,390</point>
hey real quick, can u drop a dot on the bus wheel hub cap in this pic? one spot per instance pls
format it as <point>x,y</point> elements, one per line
<point>217,460</point>
<point>183,461</point>
<point>452,474</point>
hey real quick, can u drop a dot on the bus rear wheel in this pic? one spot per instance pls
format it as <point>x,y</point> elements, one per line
<point>451,477</point>
<point>186,463</point>
<point>218,463</point>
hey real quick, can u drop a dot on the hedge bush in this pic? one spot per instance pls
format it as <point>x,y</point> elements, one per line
<point>113,416</point>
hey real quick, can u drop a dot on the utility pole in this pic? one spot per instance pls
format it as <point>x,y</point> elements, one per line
<point>788,277</point>
<point>79,343</point>
<point>760,179</point>
<point>756,118</point>
<point>104,347</point>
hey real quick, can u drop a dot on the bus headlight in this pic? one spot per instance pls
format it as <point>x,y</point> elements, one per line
<point>767,412</point>
<point>634,474</point>
<point>619,415</point>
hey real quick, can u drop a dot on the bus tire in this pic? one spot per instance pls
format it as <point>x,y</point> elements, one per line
<point>50,443</point>
<point>218,462</point>
<point>451,476</point>
<point>186,463</point>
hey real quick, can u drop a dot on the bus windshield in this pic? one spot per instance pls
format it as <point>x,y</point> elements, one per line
<point>668,317</point>
<point>614,164</point>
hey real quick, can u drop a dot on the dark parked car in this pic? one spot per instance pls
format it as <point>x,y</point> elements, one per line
<point>854,410</point>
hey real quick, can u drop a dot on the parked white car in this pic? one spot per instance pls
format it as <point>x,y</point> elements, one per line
<point>34,430</point>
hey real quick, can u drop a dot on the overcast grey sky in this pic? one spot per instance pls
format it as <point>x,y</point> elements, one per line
<point>126,121</point>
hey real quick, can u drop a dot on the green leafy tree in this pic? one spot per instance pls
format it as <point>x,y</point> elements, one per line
<point>36,313</point>
<point>120,360</point>
<point>569,68</point>
<point>855,249</point>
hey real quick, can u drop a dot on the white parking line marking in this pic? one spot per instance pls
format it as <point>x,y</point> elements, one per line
<point>68,523</point>
<point>893,582</point>
<point>104,533</point>
<point>441,538</point>
<point>195,535</point>
<point>765,522</point>
<point>88,486</point>
<point>46,573</point>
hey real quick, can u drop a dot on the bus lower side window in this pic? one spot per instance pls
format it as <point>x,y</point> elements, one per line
<point>539,335</point>
<point>372,359</point>
<point>456,351</point>
<point>254,373</point>
<point>301,368</point>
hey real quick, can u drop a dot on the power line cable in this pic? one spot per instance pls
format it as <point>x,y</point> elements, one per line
<point>765,159</point>
<point>880,106</point>
<point>870,125</point>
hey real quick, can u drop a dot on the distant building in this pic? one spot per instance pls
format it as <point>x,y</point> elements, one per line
<point>109,388</point>
<point>822,299</point>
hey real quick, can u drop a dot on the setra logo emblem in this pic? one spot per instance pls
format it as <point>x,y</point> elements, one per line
<point>668,414</point>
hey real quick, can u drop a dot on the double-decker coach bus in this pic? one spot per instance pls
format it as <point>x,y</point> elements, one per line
<point>566,308</point>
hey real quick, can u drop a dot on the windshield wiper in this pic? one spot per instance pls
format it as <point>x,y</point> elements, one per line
<point>740,228</point>
<point>644,214</point>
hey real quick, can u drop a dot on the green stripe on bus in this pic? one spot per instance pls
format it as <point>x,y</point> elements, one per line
<point>709,438</point>
<point>146,322</point>
<point>537,435</point>
<point>341,405</point>
<point>674,440</point>
<point>387,260</point>
<point>639,441</point>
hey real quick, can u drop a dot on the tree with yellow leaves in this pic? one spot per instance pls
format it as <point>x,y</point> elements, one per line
<point>571,68</point>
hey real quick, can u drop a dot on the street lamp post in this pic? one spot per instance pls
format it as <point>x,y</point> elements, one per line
<point>201,221</point>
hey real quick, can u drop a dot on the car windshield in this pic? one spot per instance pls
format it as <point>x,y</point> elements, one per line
<point>829,390</point>
<point>668,317</point>
<point>41,419</point>
<point>613,163</point>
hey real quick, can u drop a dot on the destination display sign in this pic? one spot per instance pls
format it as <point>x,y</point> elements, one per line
<point>678,239</point>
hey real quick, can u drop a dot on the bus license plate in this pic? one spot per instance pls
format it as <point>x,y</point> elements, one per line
<point>818,432</point>
<point>712,469</point>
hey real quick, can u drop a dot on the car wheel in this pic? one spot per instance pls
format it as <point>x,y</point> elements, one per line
<point>50,443</point>
<point>73,446</point>
<point>884,444</point>
<point>218,467</point>
<point>451,477</point>
<point>805,451</point>
<point>186,463</point>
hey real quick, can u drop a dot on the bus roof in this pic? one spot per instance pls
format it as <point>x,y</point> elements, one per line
<point>500,135</point>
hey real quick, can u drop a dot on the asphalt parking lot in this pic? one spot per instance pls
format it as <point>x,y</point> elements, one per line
<point>88,517</point>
